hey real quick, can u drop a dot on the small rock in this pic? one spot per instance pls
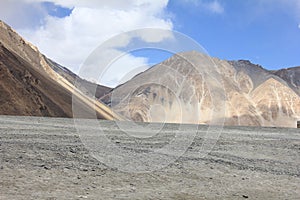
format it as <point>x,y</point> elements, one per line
<point>47,167</point>
<point>245,196</point>
<point>72,151</point>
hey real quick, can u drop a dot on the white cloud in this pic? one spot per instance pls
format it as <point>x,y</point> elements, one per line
<point>20,14</point>
<point>115,4</point>
<point>213,6</point>
<point>133,65</point>
<point>71,39</point>
<point>112,66</point>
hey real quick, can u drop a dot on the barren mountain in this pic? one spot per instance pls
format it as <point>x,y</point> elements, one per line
<point>31,84</point>
<point>292,77</point>
<point>89,88</point>
<point>191,87</point>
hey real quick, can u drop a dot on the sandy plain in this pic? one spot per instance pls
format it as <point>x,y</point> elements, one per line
<point>45,158</point>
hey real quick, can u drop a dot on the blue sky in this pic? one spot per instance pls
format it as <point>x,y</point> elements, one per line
<point>266,32</point>
<point>269,35</point>
<point>55,10</point>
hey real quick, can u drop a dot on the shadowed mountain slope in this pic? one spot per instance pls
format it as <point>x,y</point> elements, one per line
<point>32,84</point>
<point>189,87</point>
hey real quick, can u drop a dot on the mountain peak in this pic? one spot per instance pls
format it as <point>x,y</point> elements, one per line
<point>189,54</point>
<point>182,86</point>
<point>3,24</point>
<point>182,89</point>
<point>245,62</point>
<point>12,40</point>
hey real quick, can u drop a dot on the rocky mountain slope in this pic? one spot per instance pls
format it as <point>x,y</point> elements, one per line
<point>31,84</point>
<point>193,88</point>
<point>292,77</point>
<point>89,88</point>
<point>189,87</point>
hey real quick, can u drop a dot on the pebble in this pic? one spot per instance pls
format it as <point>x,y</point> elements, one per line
<point>47,168</point>
<point>72,151</point>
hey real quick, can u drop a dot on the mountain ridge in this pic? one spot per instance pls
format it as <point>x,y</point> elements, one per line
<point>188,87</point>
<point>254,96</point>
<point>31,86</point>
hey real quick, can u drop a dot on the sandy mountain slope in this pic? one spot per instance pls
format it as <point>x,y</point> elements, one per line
<point>31,84</point>
<point>85,86</point>
<point>193,88</point>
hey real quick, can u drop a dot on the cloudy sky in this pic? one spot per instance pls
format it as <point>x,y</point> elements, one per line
<point>266,32</point>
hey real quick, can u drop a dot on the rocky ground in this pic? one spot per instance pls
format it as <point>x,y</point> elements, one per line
<point>44,158</point>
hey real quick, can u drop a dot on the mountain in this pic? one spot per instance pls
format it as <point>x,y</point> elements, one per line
<point>89,88</point>
<point>31,84</point>
<point>191,87</point>
<point>291,76</point>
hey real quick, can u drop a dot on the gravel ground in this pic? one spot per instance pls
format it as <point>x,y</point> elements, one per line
<point>45,158</point>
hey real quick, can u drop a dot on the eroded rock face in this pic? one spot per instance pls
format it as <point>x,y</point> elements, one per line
<point>277,103</point>
<point>187,88</point>
<point>31,84</point>
<point>26,89</point>
<point>291,76</point>
<point>193,88</point>
<point>173,91</point>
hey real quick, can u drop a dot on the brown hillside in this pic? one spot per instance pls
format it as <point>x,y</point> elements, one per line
<point>31,84</point>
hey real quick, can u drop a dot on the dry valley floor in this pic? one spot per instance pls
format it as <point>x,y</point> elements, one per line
<point>44,158</point>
